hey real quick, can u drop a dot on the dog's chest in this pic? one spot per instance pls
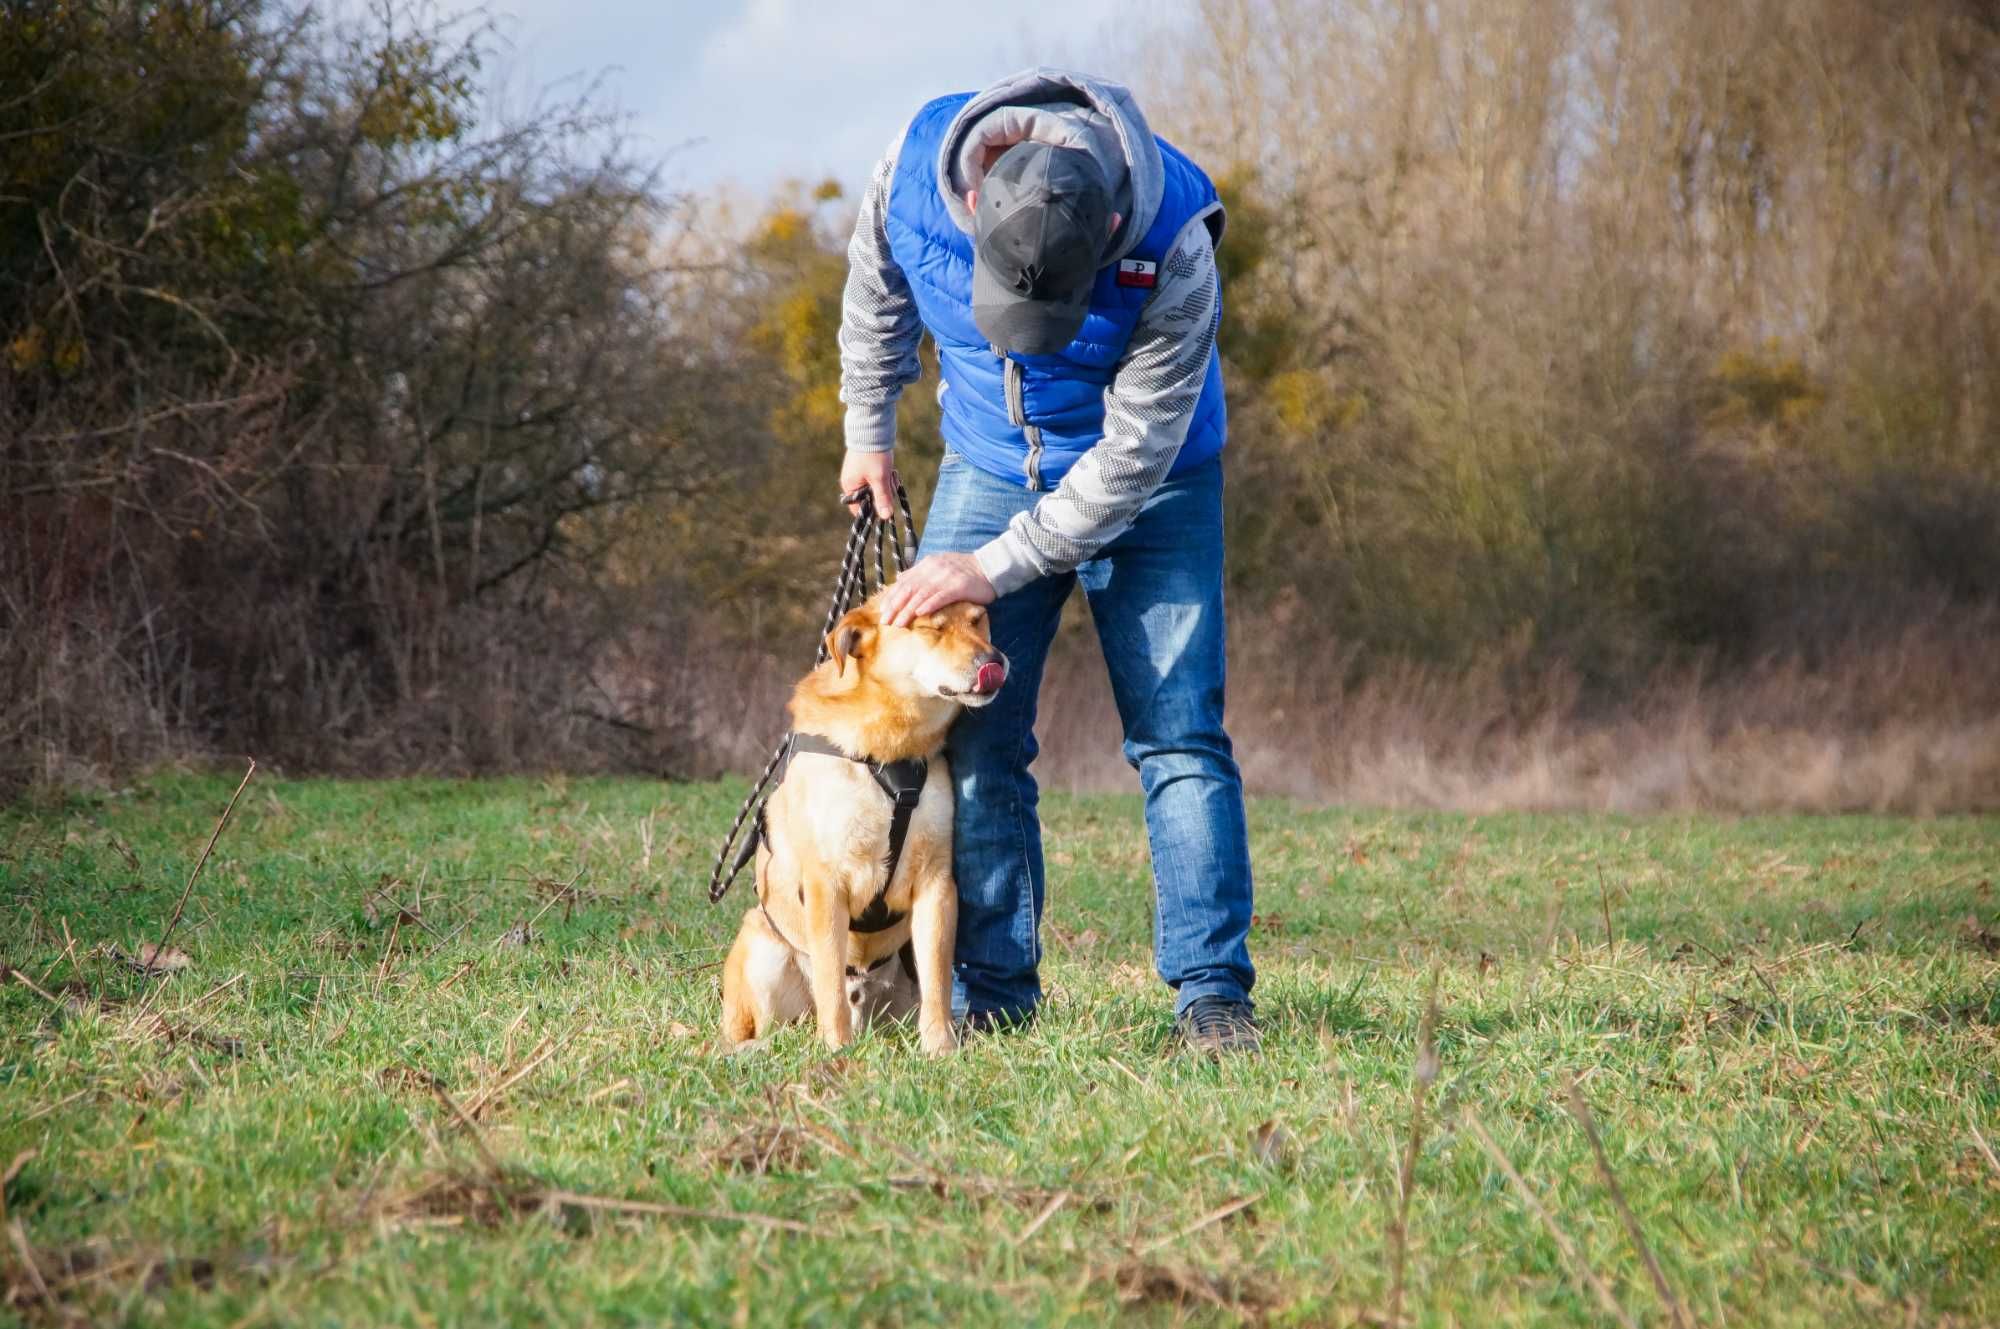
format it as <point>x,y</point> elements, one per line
<point>846,817</point>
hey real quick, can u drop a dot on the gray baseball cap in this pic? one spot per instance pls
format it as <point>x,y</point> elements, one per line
<point>1039,235</point>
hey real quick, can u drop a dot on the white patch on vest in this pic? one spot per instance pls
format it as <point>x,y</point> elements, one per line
<point>1137,272</point>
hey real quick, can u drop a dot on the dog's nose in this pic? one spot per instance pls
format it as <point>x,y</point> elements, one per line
<point>992,672</point>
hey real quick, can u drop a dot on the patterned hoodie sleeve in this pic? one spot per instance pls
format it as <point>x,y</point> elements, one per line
<point>1147,411</point>
<point>879,327</point>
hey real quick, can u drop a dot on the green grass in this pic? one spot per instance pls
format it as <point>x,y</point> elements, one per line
<point>1788,1039</point>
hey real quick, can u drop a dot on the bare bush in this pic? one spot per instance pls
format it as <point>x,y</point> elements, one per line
<point>318,397</point>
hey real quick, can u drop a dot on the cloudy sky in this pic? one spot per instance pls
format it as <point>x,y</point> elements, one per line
<point>753,92</point>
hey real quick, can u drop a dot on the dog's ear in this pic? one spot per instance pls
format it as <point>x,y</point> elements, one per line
<point>853,636</point>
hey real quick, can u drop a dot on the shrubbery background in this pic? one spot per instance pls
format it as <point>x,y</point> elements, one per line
<point>1613,405</point>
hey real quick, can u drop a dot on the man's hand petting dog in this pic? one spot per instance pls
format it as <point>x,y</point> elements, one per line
<point>931,584</point>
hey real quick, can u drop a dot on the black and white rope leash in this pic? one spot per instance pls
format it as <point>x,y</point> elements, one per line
<point>850,588</point>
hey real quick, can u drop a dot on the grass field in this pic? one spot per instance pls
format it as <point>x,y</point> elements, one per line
<point>368,1100</point>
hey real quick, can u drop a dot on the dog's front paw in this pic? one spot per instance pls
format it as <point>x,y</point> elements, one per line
<point>938,1038</point>
<point>836,1040</point>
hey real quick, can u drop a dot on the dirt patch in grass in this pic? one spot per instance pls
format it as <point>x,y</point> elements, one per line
<point>408,1079</point>
<point>464,1198</point>
<point>1185,1287</point>
<point>489,1199</point>
<point>71,1285</point>
<point>174,1035</point>
<point>1980,937</point>
<point>767,1147</point>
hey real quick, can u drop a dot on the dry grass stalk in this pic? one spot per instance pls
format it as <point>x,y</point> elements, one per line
<point>541,1053</point>
<point>646,842</point>
<point>624,1082</point>
<point>27,1254</point>
<point>1985,1149</point>
<point>1130,1074</point>
<point>565,891</point>
<point>1580,1270</point>
<point>21,1160</point>
<point>160,947</point>
<point>446,940</point>
<point>29,984</point>
<point>69,942</point>
<point>388,951</point>
<point>1423,1076</point>
<point>605,1204</point>
<point>1056,1201</point>
<point>215,991</point>
<point>513,1026</point>
<point>47,1108</point>
<point>478,1136</point>
<point>1208,1219</point>
<point>1580,1109</point>
<point>412,912</point>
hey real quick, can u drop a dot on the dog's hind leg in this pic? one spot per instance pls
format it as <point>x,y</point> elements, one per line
<point>762,987</point>
<point>887,994</point>
<point>739,1015</point>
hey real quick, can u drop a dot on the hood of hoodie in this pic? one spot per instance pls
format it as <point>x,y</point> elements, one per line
<point>1069,110</point>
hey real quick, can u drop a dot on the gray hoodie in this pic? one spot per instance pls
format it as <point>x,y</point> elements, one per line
<point>1153,394</point>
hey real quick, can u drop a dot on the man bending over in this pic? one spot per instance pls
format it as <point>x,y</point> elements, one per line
<point>1062,258</point>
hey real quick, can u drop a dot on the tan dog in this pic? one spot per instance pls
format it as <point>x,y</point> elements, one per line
<point>885,695</point>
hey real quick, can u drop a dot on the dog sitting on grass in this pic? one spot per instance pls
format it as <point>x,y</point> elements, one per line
<point>855,896</point>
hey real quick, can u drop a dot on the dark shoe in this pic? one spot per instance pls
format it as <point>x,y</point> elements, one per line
<point>1217,1025</point>
<point>975,1023</point>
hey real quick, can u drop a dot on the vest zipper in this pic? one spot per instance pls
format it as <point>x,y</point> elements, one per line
<point>1017,415</point>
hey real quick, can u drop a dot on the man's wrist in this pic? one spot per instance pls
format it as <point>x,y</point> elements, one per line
<point>870,428</point>
<point>1005,564</point>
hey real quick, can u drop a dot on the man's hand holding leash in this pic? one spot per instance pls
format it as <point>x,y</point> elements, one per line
<point>874,472</point>
<point>933,582</point>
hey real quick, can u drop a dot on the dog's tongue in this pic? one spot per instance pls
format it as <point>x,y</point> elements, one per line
<point>991,675</point>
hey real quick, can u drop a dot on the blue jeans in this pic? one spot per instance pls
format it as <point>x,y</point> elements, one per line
<point>1156,597</point>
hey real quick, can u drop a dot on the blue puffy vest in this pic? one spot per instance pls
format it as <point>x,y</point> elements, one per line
<point>1058,412</point>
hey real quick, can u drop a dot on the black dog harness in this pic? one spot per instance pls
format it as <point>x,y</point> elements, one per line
<point>903,781</point>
